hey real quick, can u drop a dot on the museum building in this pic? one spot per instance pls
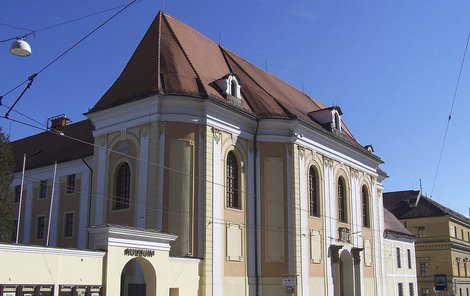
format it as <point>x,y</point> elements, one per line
<point>197,173</point>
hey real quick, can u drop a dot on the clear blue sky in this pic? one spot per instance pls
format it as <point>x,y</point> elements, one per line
<point>392,66</point>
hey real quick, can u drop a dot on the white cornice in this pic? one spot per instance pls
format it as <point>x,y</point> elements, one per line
<point>129,237</point>
<point>200,111</point>
<point>50,251</point>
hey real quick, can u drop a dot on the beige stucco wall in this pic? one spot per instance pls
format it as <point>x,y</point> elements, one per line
<point>39,265</point>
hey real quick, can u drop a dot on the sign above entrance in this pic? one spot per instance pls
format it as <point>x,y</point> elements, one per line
<point>139,253</point>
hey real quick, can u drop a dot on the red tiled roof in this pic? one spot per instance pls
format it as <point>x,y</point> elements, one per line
<point>47,147</point>
<point>186,62</point>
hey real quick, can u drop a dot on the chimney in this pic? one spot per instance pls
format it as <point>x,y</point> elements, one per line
<point>58,121</point>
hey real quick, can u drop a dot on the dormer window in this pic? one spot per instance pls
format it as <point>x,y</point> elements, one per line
<point>329,117</point>
<point>230,87</point>
<point>233,88</point>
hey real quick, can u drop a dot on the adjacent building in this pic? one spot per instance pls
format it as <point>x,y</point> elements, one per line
<point>261,186</point>
<point>442,240</point>
<point>400,260</point>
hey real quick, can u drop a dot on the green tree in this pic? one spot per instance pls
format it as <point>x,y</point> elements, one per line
<point>6,174</point>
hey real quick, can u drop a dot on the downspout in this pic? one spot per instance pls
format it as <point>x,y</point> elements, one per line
<point>89,202</point>
<point>255,181</point>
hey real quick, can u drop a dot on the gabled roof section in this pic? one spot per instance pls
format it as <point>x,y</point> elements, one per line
<point>47,147</point>
<point>173,58</point>
<point>400,203</point>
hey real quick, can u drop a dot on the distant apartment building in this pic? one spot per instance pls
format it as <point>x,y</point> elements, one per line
<point>442,240</point>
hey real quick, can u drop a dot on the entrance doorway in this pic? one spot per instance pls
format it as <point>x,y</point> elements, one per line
<point>138,278</point>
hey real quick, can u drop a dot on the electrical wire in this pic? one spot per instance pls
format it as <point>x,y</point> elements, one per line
<point>450,116</point>
<point>33,32</point>
<point>69,49</point>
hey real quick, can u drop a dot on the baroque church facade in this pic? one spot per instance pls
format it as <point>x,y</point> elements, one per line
<point>266,186</point>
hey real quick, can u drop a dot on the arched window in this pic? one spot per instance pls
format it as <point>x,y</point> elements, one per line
<point>232,184</point>
<point>341,201</point>
<point>337,121</point>
<point>313,192</point>
<point>123,187</point>
<point>365,206</point>
<point>233,88</point>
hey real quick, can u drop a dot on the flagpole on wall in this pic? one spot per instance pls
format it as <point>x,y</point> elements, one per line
<point>21,201</point>
<point>50,207</point>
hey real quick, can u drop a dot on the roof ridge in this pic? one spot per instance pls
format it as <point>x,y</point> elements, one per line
<point>189,27</point>
<point>183,50</point>
<point>159,45</point>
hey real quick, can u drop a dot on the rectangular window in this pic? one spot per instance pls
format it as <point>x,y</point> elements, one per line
<point>468,236</point>
<point>463,237</point>
<point>40,227</point>
<point>17,193</point>
<point>467,292</point>
<point>423,266</point>
<point>425,292</point>
<point>70,184</point>
<point>68,225</point>
<point>398,258</point>
<point>412,289</point>
<point>455,231</point>
<point>408,251</point>
<point>465,268</point>
<point>400,289</point>
<point>42,189</point>
<point>458,266</point>
<point>421,231</point>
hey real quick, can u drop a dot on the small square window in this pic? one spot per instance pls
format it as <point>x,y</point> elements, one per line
<point>70,184</point>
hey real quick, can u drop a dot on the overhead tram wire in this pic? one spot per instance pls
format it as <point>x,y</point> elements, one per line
<point>34,75</point>
<point>450,116</point>
<point>33,32</point>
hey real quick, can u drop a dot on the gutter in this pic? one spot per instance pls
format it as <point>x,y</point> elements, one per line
<point>255,181</point>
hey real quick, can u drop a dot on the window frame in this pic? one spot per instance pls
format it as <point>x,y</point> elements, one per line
<point>342,200</point>
<point>232,181</point>
<point>421,231</point>
<point>365,199</point>
<point>71,184</point>
<point>313,192</point>
<point>40,227</point>
<point>398,257</point>
<point>122,187</point>
<point>411,289</point>
<point>424,268</point>
<point>408,251</point>
<point>43,188</point>
<point>401,291</point>
<point>68,225</point>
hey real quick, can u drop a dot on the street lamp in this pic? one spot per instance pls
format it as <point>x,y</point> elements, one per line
<point>20,48</point>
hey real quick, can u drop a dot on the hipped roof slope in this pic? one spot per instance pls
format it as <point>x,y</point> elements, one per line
<point>173,58</point>
<point>47,147</point>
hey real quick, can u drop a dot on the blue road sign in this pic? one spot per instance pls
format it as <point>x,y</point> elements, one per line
<point>440,282</point>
